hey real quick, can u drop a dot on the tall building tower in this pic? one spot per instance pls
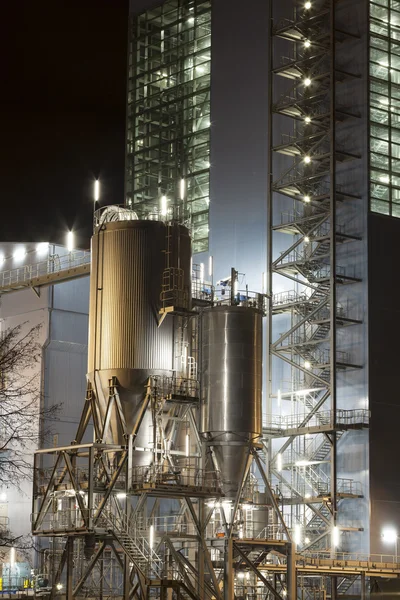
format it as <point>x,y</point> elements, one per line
<point>272,127</point>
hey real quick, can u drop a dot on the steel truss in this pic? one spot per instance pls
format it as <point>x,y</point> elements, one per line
<point>312,240</point>
<point>130,531</point>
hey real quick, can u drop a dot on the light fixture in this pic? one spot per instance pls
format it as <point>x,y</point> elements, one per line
<point>335,536</point>
<point>307,160</point>
<point>121,495</point>
<point>306,239</point>
<point>201,272</point>
<point>70,241</point>
<point>307,120</point>
<point>306,540</point>
<point>151,537</point>
<point>190,20</point>
<point>182,187</point>
<point>297,535</point>
<point>187,444</point>
<point>96,195</point>
<point>164,208</point>
<point>307,199</point>
<point>389,536</point>
<point>240,575</point>
<point>59,586</point>
<point>307,5</point>
<point>19,253</point>
<point>307,364</point>
<point>307,81</point>
<point>279,462</point>
<point>307,43</point>
<point>308,495</point>
<point>284,593</point>
<point>42,247</point>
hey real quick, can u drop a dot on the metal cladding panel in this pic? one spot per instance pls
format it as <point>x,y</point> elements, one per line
<point>128,261</point>
<point>231,373</point>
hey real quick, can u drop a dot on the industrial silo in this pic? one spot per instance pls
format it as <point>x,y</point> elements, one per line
<point>231,386</point>
<point>131,261</point>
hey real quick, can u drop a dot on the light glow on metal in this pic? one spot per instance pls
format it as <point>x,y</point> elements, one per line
<point>42,248</point>
<point>164,206</point>
<point>389,535</point>
<point>19,253</point>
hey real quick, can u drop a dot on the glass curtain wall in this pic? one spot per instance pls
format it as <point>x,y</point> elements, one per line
<point>168,114</point>
<point>385,106</point>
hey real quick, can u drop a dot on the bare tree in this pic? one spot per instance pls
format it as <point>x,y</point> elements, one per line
<point>22,414</point>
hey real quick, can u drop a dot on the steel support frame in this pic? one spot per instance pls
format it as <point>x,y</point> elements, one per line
<point>303,258</point>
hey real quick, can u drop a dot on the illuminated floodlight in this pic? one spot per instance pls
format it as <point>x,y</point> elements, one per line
<point>96,195</point>
<point>121,495</point>
<point>42,248</point>
<point>151,536</point>
<point>307,540</point>
<point>70,241</point>
<point>187,444</point>
<point>307,120</point>
<point>306,239</point>
<point>307,81</point>
<point>307,43</point>
<point>335,536</point>
<point>307,364</point>
<point>307,199</point>
<point>182,189</point>
<point>59,586</point>
<point>19,253</point>
<point>164,206</point>
<point>307,5</point>
<point>240,575</point>
<point>297,535</point>
<point>389,536</point>
<point>279,462</point>
<point>307,160</point>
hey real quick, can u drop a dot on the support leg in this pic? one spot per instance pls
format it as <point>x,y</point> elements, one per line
<point>70,568</point>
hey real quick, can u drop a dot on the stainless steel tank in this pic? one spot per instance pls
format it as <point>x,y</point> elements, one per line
<point>125,341</point>
<point>231,384</point>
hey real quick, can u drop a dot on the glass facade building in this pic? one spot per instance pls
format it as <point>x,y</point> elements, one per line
<point>168,113</point>
<point>385,106</point>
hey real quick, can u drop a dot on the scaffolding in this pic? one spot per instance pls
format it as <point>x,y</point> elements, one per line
<point>313,240</point>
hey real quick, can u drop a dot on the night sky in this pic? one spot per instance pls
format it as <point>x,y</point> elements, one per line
<point>63,72</point>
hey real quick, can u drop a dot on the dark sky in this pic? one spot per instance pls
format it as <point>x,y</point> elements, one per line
<point>62,114</point>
